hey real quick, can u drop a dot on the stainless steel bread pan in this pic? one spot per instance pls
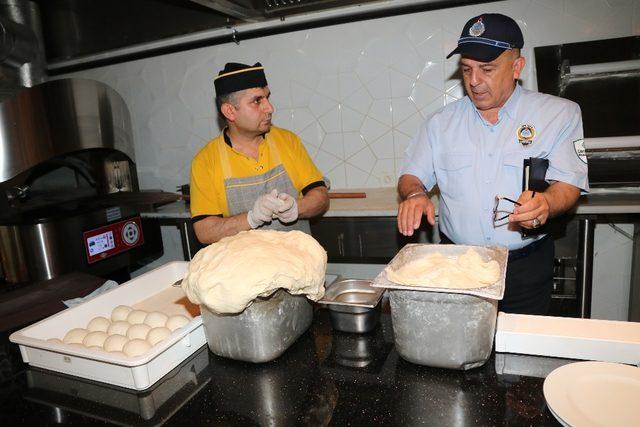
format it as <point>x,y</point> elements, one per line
<point>262,332</point>
<point>354,306</point>
<point>443,330</point>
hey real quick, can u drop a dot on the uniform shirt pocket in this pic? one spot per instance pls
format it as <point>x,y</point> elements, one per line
<point>454,174</point>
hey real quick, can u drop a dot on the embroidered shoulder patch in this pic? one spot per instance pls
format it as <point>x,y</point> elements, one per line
<point>578,146</point>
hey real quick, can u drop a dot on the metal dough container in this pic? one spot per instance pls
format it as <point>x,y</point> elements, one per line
<point>443,330</point>
<point>262,332</point>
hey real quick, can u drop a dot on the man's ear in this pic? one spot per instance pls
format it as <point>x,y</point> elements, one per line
<point>518,67</point>
<point>228,111</point>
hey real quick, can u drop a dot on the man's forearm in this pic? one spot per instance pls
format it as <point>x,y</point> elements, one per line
<point>409,185</point>
<point>561,197</point>
<point>214,228</point>
<point>314,203</point>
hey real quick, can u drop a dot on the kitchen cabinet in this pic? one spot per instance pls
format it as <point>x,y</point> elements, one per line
<point>364,239</point>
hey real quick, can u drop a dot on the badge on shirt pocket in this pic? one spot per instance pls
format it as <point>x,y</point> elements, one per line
<point>526,134</point>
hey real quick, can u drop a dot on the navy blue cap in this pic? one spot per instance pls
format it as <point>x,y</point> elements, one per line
<point>237,77</point>
<point>486,36</point>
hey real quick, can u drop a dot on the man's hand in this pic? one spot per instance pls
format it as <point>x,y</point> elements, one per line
<point>288,212</point>
<point>410,213</point>
<point>264,209</point>
<point>533,212</point>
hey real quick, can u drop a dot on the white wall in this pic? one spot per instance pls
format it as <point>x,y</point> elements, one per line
<point>356,93</point>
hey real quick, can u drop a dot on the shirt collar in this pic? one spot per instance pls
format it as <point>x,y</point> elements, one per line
<point>509,108</point>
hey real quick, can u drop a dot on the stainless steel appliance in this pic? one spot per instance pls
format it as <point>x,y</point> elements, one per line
<point>603,77</point>
<point>69,196</point>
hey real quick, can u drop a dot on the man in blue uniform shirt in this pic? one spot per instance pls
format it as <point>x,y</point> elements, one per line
<point>474,150</point>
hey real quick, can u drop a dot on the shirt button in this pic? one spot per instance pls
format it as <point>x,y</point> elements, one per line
<point>488,239</point>
<point>490,154</point>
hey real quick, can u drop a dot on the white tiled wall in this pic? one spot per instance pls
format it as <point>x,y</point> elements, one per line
<point>355,93</point>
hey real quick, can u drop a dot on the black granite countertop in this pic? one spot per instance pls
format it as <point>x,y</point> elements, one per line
<point>325,378</point>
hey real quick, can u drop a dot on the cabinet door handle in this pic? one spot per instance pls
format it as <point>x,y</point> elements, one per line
<point>341,244</point>
<point>360,245</point>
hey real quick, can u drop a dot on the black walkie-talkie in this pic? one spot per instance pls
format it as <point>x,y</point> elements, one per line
<point>533,178</point>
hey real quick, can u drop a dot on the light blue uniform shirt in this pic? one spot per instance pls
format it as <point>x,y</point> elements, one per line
<point>472,160</point>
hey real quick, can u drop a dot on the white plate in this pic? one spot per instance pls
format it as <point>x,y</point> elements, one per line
<point>594,394</point>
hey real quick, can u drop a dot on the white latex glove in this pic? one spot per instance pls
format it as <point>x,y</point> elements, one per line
<point>264,209</point>
<point>288,212</point>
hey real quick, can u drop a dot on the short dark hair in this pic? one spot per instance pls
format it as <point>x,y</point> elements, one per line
<point>227,98</point>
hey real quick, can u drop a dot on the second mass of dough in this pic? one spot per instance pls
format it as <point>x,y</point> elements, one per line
<point>227,276</point>
<point>466,271</point>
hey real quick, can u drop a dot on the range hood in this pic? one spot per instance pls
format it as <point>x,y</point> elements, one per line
<point>80,34</point>
<point>259,10</point>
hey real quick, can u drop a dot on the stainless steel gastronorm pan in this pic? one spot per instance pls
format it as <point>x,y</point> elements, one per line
<point>262,332</point>
<point>354,306</point>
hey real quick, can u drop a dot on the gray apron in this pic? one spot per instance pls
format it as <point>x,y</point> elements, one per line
<point>243,192</point>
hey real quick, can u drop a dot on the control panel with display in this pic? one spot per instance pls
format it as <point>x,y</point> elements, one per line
<point>112,239</point>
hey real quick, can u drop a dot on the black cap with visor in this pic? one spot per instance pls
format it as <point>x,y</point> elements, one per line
<point>486,36</point>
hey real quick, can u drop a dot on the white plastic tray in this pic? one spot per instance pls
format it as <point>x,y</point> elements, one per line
<point>150,291</point>
<point>571,338</point>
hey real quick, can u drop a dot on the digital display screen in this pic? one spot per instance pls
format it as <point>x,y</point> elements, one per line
<point>100,243</point>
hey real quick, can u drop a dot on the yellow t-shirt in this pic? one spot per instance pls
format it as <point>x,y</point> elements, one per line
<point>207,177</point>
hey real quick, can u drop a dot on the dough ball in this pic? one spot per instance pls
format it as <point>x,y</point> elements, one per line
<point>55,341</point>
<point>96,338</point>
<point>120,313</point>
<point>75,336</point>
<point>136,347</point>
<point>98,324</point>
<point>177,321</point>
<point>156,335</point>
<point>115,343</point>
<point>136,316</point>
<point>156,319</point>
<point>119,327</point>
<point>95,348</point>
<point>138,332</point>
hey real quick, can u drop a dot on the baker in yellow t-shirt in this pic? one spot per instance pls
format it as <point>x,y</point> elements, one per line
<point>253,174</point>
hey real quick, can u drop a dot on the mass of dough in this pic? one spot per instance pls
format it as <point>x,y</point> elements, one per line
<point>55,341</point>
<point>136,347</point>
<point>466,271</point>
<point>227,276</point>
<point>177,321</point>
<point>98,324</point>
<point>138,331</point>
<point>120,313</point>
<point>96,338</point>
<point>115,343</point>
<point>156,335</point>
<point>156,319</point>
<point>75,336</point>
<point>136,316</point>
<point>119,327</point>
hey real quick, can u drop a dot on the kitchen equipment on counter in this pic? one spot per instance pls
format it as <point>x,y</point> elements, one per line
<point>571,338</point>
<point>151,291</point>
<point>443,330</point>
<point>69,196</point>
<point>354,306</point>
<point>263,331</point>
<point>444,327</point>
<point>594,394</point>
